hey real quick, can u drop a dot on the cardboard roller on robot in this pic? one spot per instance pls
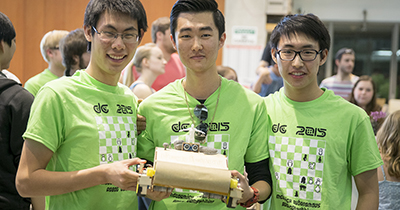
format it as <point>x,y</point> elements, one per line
<point>189,168</point>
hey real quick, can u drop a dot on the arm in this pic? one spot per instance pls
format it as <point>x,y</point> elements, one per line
<point>38,203</point>
<point>368,190</point>
<point>263,187</point>
<point>264,78</point>
<point>141,123</point>
<point>262,65</point>
<point>34,180</point>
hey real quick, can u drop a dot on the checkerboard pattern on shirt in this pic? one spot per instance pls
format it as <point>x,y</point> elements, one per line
<point>117,139</point>
<point>298,164</point>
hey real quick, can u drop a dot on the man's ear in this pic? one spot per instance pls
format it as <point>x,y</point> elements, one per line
<point>173,42</point>
<point>159,34</point>
<point>337,61</point>
<point>324,57</point>
<point>76,59</point>
<point>2,46</point>
<point>49,53</point>
<point>141,37</point>
<point>222,40</point>
<point>273,54</point>
<point>88,33</point>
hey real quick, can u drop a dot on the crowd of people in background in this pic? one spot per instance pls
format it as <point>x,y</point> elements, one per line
<point>102,84</point>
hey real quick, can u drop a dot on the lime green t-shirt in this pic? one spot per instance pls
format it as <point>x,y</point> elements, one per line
<point>85,123</point>
<point>315,147</point>
<point>34,84</point>
<point>239,131</point>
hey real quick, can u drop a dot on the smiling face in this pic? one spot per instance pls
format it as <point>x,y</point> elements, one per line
<point>109,57</point>
<point>299,75</point>
<point>197,41</point>
<point>363,93</point>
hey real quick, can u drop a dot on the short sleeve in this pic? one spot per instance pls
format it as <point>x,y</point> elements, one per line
<point>46,121</point>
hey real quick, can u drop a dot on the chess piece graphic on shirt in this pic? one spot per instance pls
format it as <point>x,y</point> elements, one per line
<point>320,153</point>
<point>311,165</point>
<point>318,183</point>
<point>119,143</point>
<point>310,181</point>
<point>290,165</point>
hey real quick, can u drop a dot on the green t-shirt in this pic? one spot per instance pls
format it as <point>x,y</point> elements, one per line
<point>34,84</point>
<point>239,131</point>
<point>315,148</point>
<point>85,123</point>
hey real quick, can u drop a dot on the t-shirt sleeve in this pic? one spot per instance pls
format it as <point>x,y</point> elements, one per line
<point>257,149</point>
<point>46,121</point>
<point>364,153</point>
<point>145,144</point>
<point>31,88</point>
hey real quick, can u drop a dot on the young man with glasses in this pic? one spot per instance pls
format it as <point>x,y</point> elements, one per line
<point>319,140</point>
<point>49,47</point>
<point>226,116</point>
<point>80,143</point>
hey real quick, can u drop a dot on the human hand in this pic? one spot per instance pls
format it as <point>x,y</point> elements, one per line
<point>158,195</point>
<point>243,183</point>
<point>141,123</point>
<point>119,174</point>
<point>265,75</point>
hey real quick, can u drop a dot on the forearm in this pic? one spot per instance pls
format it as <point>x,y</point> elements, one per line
<point>257,85</point>
<point>34,180</point>
<point>38,203</point>
<point>368,190</point>
<point>43,183</point>
<point>368,202</point>
<point>264,188</point>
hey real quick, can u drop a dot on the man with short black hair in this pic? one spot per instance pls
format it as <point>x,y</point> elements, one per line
<point>15,104</point>
<point>319,140</point>
<point>237,120</point>
<point>80,144</point>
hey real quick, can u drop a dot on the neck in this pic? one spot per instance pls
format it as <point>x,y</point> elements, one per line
<point>101,76</point>
<point>341,76</point>
<point>147,77</point>
<point>166,55</point>
<point>303,95</point>
<point>56,70</point>
<point>201,85</point>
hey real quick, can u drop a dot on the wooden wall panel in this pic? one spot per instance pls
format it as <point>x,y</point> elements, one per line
<point>33,19</point>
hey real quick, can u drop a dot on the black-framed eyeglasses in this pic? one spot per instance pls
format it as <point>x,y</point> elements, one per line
<point>305,55</point>
<point>111,36</point>
<point>201,112</point>
<point>54,48</point>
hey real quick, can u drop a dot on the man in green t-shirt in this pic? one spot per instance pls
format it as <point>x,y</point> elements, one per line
<point>319,140</point>
<point>81,141</point>
<point>50,49</point>
<point>237,120</point>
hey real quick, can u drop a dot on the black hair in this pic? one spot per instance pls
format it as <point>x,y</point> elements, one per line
<point>185,6</point>
<point>307,24</point>
<point>7,31</point>
<point>73,44</point>
<point>133,8</point>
